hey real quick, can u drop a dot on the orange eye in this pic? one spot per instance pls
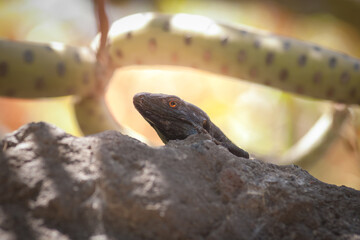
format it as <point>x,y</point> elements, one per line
<point>172,104</point>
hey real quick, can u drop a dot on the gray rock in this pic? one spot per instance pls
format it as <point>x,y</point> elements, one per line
<point>110,186</point>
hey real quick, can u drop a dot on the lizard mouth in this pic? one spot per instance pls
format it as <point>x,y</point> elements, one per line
<point>149,121</point>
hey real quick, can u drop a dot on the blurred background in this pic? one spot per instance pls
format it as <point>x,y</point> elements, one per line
<point>263,121</point>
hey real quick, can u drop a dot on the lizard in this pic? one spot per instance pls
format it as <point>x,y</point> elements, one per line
<point>175,119</point>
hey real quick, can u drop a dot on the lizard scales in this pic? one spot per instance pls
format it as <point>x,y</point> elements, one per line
<point>174,118</point>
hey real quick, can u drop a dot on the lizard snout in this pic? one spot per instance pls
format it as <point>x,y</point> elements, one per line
<point>138,99</point>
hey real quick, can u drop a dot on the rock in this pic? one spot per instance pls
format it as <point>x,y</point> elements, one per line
<point>110,186</point>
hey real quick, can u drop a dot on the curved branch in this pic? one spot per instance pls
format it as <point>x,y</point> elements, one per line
<point>316,142</point>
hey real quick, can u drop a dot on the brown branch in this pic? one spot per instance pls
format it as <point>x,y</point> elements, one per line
<point>103,26</point>
<point>316,142</point>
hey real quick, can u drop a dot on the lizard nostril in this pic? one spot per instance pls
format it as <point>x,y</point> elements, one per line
<point>139,98</point>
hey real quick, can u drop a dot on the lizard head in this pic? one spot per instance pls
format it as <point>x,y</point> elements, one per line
<point>170,116</point>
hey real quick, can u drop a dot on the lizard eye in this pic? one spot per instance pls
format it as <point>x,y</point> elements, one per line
<point>172,104</point>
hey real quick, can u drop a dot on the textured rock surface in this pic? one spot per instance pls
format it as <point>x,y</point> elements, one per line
<point>110,186</point>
